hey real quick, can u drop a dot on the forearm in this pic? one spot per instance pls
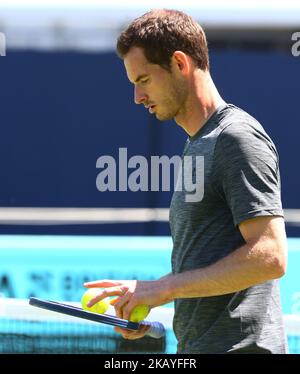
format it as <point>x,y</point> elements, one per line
<point>248,265</point>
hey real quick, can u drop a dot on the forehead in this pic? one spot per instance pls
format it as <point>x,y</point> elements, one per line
<point>136,64</point>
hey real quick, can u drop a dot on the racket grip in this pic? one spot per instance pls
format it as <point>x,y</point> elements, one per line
<point>157,329</point>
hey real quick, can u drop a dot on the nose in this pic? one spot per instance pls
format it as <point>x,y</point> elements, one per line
<point>139,95</point>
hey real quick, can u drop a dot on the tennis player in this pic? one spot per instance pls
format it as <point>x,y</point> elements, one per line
<point>230,247</point>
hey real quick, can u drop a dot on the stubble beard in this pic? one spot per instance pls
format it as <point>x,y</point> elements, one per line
<point>174,104</point>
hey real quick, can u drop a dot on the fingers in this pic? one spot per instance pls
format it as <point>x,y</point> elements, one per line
<point>132,335</point>
<point>114,301</point>
<point>112,291</point>
<point>120,304</point>
<point>128,307</point>
<point>124,305</point>
<point>125,289</point>
<point>102,283</point>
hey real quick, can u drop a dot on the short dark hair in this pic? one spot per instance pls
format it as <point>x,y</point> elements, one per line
<point>160,33</point>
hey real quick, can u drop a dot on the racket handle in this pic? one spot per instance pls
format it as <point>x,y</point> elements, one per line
<point>157,329</point>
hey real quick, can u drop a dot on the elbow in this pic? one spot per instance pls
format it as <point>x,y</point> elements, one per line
<point>279,263</point>
<point>273,261</point>
<point>279,270</point>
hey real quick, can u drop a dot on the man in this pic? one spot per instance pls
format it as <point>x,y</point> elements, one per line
<point>230,247</point>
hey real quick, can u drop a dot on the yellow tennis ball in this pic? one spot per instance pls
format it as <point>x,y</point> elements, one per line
<point>100,307</point>
<point>139,313</point>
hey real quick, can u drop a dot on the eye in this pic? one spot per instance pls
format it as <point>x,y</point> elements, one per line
<point>144,81</point>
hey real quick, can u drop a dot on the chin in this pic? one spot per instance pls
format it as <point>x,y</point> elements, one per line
<point>164,117</point>
<point>161,118</point>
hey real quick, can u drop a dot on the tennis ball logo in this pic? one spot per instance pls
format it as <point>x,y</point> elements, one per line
<point>100,307</point>
<point>139,313</point>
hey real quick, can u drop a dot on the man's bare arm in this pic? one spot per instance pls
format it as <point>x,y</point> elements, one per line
<point>263,257</point>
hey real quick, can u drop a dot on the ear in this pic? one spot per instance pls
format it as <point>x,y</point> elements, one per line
<point>181,62</point>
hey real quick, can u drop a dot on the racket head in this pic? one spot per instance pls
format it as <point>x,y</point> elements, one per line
<point>74,311</point>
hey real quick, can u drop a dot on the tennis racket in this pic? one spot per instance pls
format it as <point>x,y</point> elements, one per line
<point>156,330</point>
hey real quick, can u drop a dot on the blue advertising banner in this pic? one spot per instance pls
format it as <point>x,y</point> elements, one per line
<point>55,267</point>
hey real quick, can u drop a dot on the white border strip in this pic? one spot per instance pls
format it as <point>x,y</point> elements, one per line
<point>80,216</point>
<point>94,25</point>
<point>90,216</point>
<point>92,13</point>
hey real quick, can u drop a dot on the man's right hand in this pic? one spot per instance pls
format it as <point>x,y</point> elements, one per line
<point>133,335</point>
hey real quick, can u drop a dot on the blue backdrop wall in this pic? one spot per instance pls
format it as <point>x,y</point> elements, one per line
<point>61,111</point>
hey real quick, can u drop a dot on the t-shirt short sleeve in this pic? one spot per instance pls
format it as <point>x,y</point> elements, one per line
<point>246,169</point>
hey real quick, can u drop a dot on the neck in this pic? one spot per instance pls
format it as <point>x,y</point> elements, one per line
<point>201,103</point>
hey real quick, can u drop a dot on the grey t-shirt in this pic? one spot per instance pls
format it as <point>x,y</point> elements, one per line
<point>241,181</point>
